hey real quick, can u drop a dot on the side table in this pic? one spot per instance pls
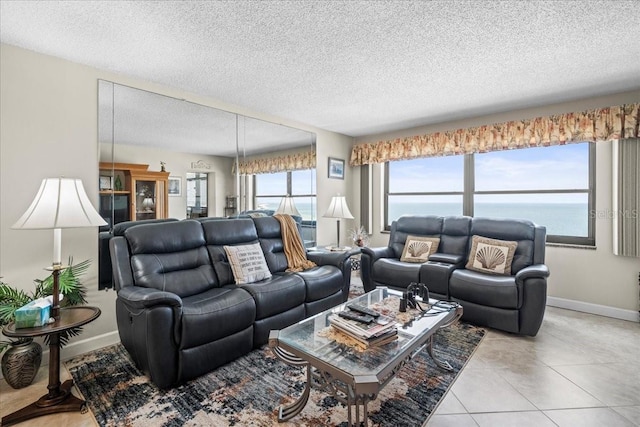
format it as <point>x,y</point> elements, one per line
<point>59,398</point>
<point>353,251</point>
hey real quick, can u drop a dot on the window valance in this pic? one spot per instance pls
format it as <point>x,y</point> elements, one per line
<point>602,124</point>
<point>289,162</point>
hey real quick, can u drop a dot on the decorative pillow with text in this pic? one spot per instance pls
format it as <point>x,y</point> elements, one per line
<point>418,248</point>
<point>247,263</point>
<point>491,256</point>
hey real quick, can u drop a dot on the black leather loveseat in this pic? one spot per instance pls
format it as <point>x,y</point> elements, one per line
<point>180,313</point>
<point>514,301</point>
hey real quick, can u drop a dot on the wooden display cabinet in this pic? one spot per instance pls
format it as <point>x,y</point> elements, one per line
<point>147,191</point>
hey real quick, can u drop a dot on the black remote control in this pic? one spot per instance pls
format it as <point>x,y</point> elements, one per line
<point>363,309</point>
<point>357,317</point>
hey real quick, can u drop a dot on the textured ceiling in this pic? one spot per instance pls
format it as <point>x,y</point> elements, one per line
<point>352,67</point>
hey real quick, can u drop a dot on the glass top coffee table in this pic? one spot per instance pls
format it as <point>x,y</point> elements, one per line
<point>355,377</point>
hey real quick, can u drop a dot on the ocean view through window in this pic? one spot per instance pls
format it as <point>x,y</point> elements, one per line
<point>270,188</point>
<point>551,186</point>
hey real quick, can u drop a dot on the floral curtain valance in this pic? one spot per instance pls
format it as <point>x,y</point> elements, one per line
<point>290,162</point>
<point>603,124</point>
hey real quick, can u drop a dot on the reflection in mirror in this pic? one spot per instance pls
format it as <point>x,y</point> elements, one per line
<point>197,194</point>
<point>146,134</point>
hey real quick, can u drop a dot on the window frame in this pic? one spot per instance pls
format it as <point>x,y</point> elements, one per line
<point>279,196</point>
<point>469,193</point>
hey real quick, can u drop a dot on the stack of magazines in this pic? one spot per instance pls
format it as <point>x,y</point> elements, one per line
<point>378,331</point>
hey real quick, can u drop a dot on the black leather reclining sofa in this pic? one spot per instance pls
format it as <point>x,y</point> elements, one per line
<point>513,303</point>
<point>180,313</point>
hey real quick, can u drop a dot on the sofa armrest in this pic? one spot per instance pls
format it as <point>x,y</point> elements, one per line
<point>532,271</point>
<point>140,298</point>
<point>448,258</point>
<point>377,253</point>
<point>336,258</point>
<point>120,268</point>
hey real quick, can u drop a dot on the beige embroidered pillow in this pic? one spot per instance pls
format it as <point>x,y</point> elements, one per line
<point>491,255</point>
<point>418,249</point>
<point>247,263</point>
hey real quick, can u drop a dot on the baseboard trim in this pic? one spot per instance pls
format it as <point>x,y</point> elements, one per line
<point>77,348</point>
<point>600,310</point>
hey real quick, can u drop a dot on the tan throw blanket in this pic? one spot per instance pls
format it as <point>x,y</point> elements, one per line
<point>293,248</point>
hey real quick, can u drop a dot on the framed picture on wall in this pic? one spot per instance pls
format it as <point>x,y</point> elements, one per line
<point>336,168</point>
<point>175,186</point>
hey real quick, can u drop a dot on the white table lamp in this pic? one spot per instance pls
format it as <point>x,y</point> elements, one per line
<point>338,209</point>
<point>60,203</point>
<point>287,206</point>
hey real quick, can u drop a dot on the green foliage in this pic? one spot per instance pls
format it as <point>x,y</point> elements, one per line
<point>69,282</point>
<point>11,299</point>
<point>70,285</point>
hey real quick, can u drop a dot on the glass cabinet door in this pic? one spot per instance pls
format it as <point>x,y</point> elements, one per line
<point>145,199</point>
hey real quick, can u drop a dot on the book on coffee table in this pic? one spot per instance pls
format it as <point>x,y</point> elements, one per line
<point>364,332</point>
<point>379,340</point>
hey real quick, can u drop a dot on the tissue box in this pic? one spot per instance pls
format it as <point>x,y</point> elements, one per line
<point>36,313</point>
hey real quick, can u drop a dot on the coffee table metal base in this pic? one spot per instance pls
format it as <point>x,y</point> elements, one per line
<point>346,394</point>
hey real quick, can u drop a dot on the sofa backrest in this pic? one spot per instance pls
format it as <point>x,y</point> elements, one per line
<point>454,238</point>
<point>170,256</point>
<point>121,227</point>
<point>413,225</point>
<point>226,232</point>
<point>530,238</point>
<point>270,236</point>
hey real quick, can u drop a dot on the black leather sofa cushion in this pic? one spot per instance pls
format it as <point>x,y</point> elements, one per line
<point>276,295</point>
<point>271,240</point>
<point>454,239</point>
<point>430,226</point>
<point>215,314</point>
<point>197,361</point>
<point>485,289</point>
<point>165,237</point>
<point>121,227</point>
<point>321,282</point>
<point>521,231</point>
<point>262,327</point>
<point>395,272</point>
<point>171,257</point>
<point>225,232</point>
<point>182,273</point>
<point>105,273</point>
<point>229,231</point>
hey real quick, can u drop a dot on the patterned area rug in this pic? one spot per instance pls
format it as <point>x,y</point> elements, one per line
<point>248,391</point>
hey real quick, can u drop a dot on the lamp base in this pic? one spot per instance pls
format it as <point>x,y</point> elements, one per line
<point>56,269</point>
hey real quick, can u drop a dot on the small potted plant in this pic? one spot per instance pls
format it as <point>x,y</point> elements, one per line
<point>22,357</point>
<point>359,236</point>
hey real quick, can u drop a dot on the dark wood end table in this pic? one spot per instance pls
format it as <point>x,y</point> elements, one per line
<point>59,398</point>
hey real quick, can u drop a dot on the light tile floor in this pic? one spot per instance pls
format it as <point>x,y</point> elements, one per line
<point>580,370</point>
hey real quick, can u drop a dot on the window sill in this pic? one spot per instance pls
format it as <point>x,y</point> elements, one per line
<point>570,246</point>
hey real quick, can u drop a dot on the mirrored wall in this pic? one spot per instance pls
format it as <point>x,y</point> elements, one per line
<point>163,157</point>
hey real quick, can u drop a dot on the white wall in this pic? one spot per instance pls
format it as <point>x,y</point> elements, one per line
<point>336,146</point>
<point>592,280</point>
<point>49,127</point>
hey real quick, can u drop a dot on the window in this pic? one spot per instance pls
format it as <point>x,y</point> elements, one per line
<point>197,194</point>
<point>548,185</point>
<point>551,186</point>
<point>430,186</point>
<point>270,188</point>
